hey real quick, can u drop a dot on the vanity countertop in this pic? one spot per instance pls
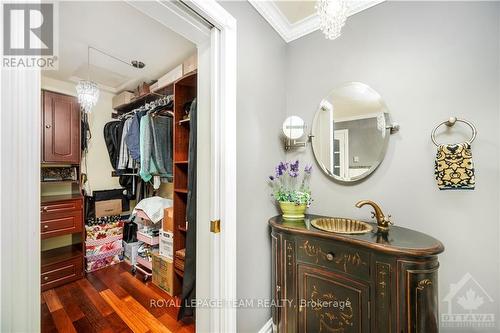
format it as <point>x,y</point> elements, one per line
<point>399,240</point>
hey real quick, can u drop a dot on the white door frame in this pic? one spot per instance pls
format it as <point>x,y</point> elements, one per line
<point>19,177</point>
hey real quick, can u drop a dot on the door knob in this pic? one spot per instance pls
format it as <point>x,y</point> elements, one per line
<point>47,126</point>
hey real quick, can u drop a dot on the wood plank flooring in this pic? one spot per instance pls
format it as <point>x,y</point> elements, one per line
<point>110,300</point>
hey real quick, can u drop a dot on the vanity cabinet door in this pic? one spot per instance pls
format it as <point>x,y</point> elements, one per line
<point>419,300</point>
<point>331,302</point>
<point>276,279</point>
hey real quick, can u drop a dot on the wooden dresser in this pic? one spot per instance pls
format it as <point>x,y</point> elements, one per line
<point>326,282</point>
<point>62,215</point>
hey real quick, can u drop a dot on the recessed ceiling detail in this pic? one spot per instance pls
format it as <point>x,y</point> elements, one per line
<point>294,19</point>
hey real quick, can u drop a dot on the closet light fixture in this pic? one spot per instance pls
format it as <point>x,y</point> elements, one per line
<point>332,17</point>
<point>88,91</point>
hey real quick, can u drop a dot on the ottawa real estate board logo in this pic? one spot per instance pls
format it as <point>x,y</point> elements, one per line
<point>468,305</point>
<point>29,36</point>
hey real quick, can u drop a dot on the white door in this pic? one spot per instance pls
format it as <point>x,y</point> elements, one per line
<point>341,153</point>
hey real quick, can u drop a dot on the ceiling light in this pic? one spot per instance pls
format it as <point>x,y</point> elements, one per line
<point>332,16</point>
<point>88,94</point>
<point>138,64</point>
<point>87,91</point>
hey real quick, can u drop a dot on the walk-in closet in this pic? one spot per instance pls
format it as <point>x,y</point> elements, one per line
<point>118,174</point>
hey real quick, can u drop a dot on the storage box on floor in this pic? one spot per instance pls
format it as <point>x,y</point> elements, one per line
<point>163,263</point>
<point>103,242</point>
<point>163,274</point>
<point>130,251</point>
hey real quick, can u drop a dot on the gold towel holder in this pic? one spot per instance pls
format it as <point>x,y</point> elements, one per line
<point>450,122</point>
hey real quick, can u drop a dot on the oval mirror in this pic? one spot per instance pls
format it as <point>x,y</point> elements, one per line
<point>350,132</point>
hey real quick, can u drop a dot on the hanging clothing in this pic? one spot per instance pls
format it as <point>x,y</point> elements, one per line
<point>85,133</point>
<point>124,160</point>
<point>189,283</point>
<point>112,137</point>
<point>163,145</point>
<point>146,148</point>
<point>156,147</point>
<point>133,136</point>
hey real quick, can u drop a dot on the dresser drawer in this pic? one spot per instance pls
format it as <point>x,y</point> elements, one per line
<point>62,225</point>
<point>334,257</point>
<point>48,210</point>
<point>61,272</point>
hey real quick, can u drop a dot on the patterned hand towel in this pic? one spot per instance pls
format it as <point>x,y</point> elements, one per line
<point>454,169</point>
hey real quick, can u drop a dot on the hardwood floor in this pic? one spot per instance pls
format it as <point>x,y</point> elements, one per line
<point>110,300</point>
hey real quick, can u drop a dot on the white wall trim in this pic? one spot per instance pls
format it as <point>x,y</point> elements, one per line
<point>20,200</point>
<point>292,31</point>
<point>268,327</point>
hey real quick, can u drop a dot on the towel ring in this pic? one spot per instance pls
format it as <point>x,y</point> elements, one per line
<point>450,122</point>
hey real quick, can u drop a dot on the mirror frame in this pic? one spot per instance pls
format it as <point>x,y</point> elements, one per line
<point>383,151</point>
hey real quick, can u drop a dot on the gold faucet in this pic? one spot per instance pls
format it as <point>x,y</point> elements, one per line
<point>383,221</point>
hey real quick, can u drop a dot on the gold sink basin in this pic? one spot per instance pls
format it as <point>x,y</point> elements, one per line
<point>341,225</point>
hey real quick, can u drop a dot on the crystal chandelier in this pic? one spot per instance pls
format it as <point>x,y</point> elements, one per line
<point>88,94</point>
<point>332,16</point>
<point>87,91</point>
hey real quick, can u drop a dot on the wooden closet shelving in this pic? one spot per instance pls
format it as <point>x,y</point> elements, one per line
<point>184,91</point>
<point>139,101</point>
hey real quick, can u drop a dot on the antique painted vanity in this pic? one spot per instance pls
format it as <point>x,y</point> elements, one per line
<point>341,275</point>
<point>388,279</point>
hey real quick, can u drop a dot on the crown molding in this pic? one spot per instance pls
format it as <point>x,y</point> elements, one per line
<point>290,32</point>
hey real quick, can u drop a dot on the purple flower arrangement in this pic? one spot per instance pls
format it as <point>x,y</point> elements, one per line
<point>289,186</point>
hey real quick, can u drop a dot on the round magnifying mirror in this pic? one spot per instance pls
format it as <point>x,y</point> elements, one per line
<point>350,132</point>
<point>293,127</point>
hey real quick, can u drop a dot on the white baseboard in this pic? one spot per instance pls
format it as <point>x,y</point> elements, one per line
<point>268,327</point>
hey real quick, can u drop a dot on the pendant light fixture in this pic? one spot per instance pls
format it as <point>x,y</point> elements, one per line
<point>88,91</point>
<point>332,17</point>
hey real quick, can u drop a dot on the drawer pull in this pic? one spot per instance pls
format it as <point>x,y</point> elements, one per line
<point>45,209</point>
<point>330,256</point>
<point>46,278</point>
<point>46,226</point>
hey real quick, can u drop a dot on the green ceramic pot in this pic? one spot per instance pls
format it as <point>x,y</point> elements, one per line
<point>291,211</point>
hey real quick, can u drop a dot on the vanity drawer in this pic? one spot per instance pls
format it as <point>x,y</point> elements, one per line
<point>63,225</point>
<point>48,210</point>
<point>61,272</point>
<point>334,257</point>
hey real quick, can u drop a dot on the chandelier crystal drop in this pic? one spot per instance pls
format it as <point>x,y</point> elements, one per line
<point>332,16</point>
<point>88,94</point>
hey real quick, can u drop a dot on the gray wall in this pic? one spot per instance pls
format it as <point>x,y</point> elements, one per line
<point>261,110</point>
<point>428,60</point>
